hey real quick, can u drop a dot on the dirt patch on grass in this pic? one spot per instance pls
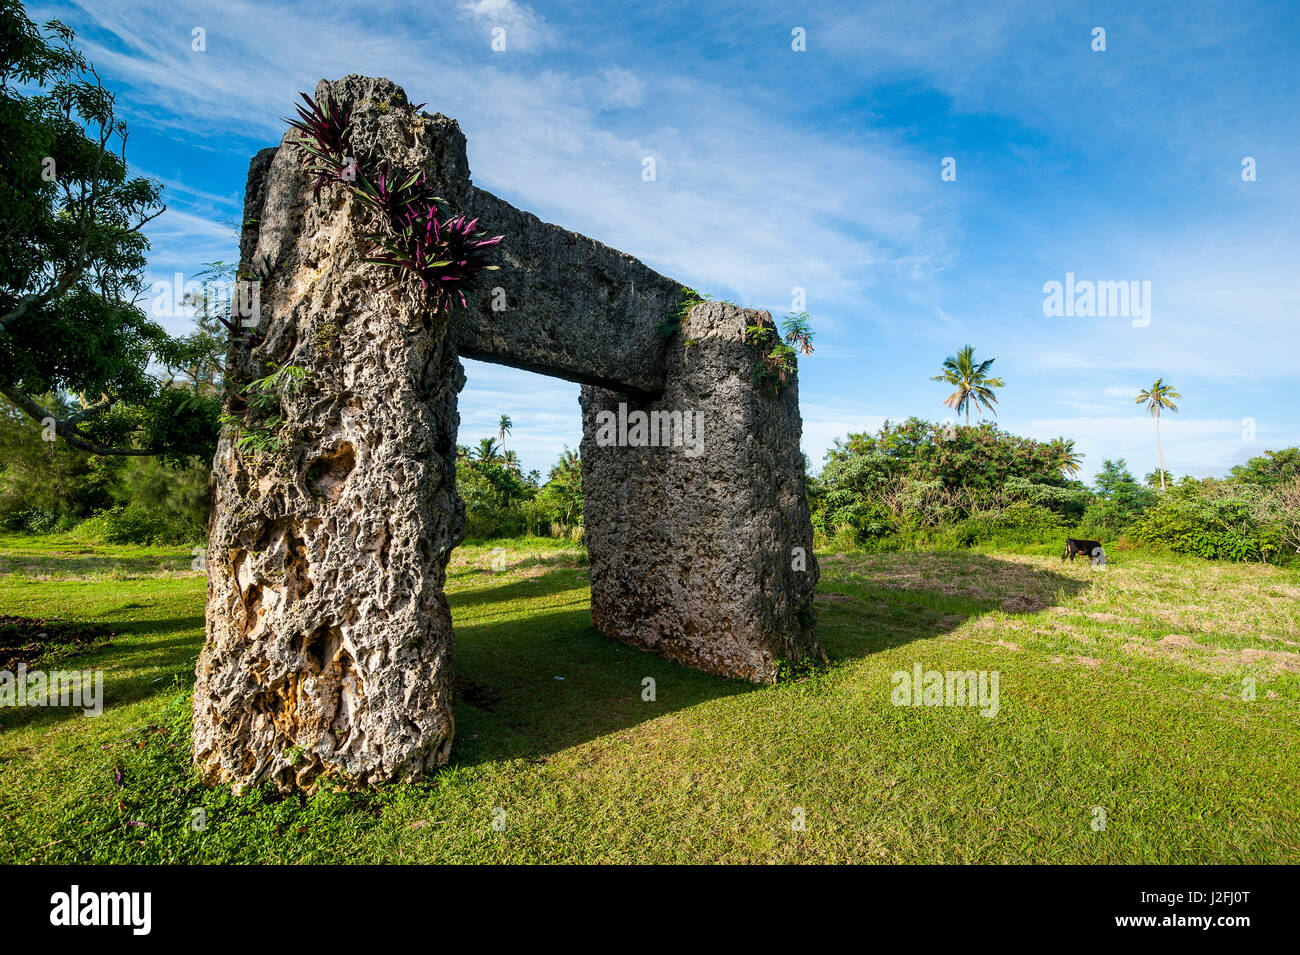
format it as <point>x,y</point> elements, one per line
<point>1177,641</point>
<point>1183,649</point>
<point>36,642</point>
<point>1019,604</point>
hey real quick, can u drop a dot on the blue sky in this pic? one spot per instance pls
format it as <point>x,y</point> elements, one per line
<point>821,169</point>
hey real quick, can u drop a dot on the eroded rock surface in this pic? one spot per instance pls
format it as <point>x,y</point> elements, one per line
<point>704,558</point>
<point>329,639</point>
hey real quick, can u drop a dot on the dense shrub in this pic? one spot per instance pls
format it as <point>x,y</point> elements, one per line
<point>1215,521</point>
<point>502,502</point>
<point>1279,509</point>
<point>1102,520</point>
<point>1069,502</point>
<point>977,458</point>
<point>919,484</point>
<point>132,524</point>
<point>486,522</point>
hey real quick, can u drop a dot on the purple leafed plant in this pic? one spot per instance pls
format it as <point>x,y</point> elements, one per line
<point>443,253</point>
<point>418,233</point>
<point>324,131</point>
<point>392,192</point>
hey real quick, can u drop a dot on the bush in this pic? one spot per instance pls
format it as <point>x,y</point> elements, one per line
<point>1279,509</point>
<point>1070,502</point>
<point>38,521</point>
<point>1211,522</point>
<point>131,524</point>
<point>1103,520</point>
<point>1025,523</point>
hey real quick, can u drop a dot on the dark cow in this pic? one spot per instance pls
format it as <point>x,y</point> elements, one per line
<point>1090,549</point>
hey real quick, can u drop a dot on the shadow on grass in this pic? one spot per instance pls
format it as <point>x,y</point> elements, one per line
<point>529,688</point>
<point>868,603</point>
<point>130,662</point>
<point>531,683</point>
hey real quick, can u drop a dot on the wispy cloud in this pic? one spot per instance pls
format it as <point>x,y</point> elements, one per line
<point>820,169</point>
<point>520,26</point>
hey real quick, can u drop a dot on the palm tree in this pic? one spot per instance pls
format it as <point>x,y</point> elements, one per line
<point>973,385</point>
<point>511,461</point>
<point>503,428</point>
<point>487,450</point>
<point>1067,459</point>
<point>1157,397</point>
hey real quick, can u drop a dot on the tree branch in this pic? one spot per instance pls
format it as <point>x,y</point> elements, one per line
<point>67,427</point>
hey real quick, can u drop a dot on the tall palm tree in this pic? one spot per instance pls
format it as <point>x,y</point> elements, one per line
<point>503,428</point>
<point>1157,397</point>
<point>971,380</point>
<point>1067,459</point>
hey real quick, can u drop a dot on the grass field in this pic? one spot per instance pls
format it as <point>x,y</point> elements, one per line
<point>1120,692</point>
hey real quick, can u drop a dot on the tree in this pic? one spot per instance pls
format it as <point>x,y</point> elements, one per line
<point>47,485</point>
<point>971,381</point>
<point>487,451</point>
<point>1152,479</point>
<point>1113,476</point>
<point>1115,483</point>
<point>560,499</point>
<point>74,255</point>
<point>1157,397</point>
<point>503,429</point>
<point>1069,460</point>
<point>511,461</point>
<point>205,348</point>
<point>1270,468</point>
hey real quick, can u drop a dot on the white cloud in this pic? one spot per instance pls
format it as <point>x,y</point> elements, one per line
<point>726,214</point>
<point>525,30</point>
<point>758,192</point>
<point>619,88</point>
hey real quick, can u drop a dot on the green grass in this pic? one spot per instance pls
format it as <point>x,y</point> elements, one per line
<point>1119,689</point>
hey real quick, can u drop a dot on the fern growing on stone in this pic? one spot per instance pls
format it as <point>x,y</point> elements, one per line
<point>257,428</point>
<point>778,364</point>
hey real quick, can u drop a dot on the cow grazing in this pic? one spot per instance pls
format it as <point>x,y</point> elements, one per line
<point>1090,549</point>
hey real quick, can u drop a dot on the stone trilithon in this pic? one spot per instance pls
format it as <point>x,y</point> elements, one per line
<point>329,639</point>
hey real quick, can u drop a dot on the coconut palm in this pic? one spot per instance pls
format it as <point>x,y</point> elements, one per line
<point>503,428</point>
<point>1156,398</point>
<point>1067,459</point>
<point>511,461</point>
<point>487,450</point>
<point>971,380</point>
